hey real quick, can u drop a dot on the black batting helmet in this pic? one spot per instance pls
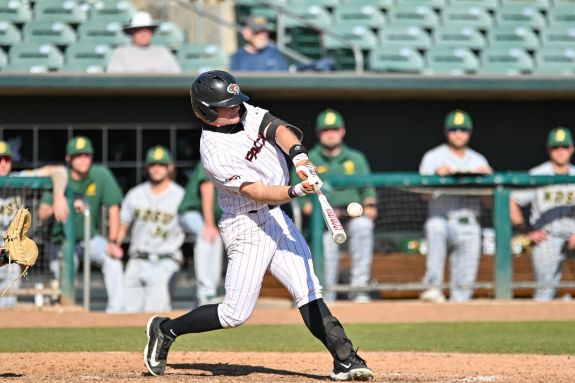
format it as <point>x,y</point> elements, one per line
<point>214,89</point>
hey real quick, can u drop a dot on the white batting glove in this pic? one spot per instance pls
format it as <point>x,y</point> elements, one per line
<point>306,171</point>
<point>301,189</point>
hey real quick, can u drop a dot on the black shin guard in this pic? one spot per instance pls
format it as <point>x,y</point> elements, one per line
<point>326,328</point>
<point>201,319</point>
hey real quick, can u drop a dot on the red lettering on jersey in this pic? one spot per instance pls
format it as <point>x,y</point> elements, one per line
<point>256,148</point>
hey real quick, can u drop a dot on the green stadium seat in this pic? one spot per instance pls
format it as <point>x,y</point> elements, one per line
<point>313,13</point>
<point>3,59</point>
<point>9,34</point>
<point>448,36</point>
<point>102,32</point>
<point>561,15</point>
<point>559,3</point>
<point>48,32</point>
<point>467,16</point>
<point>69,11</point>
<point>555,61</point>
<point>539,4</point>
<point>87,57</point>
<point>400,60</point>
<point>255,3</point>
<point>112,10</point>
<point>438,4</point>
<point>413,15</point>
<point>366,15</point>
<point>34,58</point>
<point>170,35</point>
<point>558,37</point>
<point>452,61</point>
<point>201,57</point>
<point>411,37</point>
<point>513,37</point>
<point>321,3</point>
<point>520,16</point>
<point>505,61</point>
<point>382,4</point>
<point>15,11</point>
<point>362,36</point>
<point>486,4</point>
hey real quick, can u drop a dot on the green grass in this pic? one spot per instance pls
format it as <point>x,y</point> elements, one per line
<point>551,337</point>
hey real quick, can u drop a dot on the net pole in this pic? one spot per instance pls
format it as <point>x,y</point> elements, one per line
<point>87,256</point>
<point>503,261</point>
<point>68,257</point>
<point>316,228</point>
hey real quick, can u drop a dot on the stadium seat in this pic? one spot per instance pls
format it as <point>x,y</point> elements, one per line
<point>87,57</point>
<point>413,15</point>
<point>467,16</point>
<point>507,61</point>
<point>513,37</point>
<point>538,4</point>
<point>400,60</point>
<point>555,61</point>
<point>48,32</point>
<point>112,10</point>
<point>382,4</point>
<point>102,32</point>
<point>9,34</point>
<point>170,35</point>
<point>411,37</point>
<point>486,4</point>
<point>321,3</point>
<point>3,59</point>
<point>34,58</point>
<point>365,15</point>
<point>15,11</point>
<point>562,15</point>
<point>313,13</point>
<point>560,3</point>
<point>69,11</point>
<point>558,37</point>
<point>201,57</point>
<point>453,61</point>
<point>519,16</point>
<point>448,36</point>
<point>362,36</point>
<point>437,4</point>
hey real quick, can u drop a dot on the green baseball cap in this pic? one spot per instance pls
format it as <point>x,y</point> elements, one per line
<point>458,119</point>
<point>79,145</point>
<point>5,149</point>
<point>559,137</point>
<point>158,155</point>
<point>329,119</point>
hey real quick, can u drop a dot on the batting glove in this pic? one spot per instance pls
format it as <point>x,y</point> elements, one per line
<point>306,171</point>
<point>301,189</point>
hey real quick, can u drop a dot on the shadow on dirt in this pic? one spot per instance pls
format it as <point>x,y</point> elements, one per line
<point>224,369</point>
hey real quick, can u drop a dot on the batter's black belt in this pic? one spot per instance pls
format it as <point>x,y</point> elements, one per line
<point>152,256</point>
<point>269,207</point>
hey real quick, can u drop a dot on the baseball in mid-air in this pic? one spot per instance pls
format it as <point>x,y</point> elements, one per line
<point>354,209</point>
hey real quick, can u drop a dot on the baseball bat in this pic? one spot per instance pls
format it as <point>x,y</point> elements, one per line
<point>331,221</point>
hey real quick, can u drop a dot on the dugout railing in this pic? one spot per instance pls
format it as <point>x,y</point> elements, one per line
<point>494,188</point>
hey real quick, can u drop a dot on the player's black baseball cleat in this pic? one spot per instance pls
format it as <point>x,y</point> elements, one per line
<point>158,346</point>
<point>353,368</point>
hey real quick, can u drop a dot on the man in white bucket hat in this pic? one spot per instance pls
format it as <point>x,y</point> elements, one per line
<point>140,56</point>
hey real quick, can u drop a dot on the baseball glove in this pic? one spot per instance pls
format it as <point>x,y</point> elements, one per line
<point>20,248</point>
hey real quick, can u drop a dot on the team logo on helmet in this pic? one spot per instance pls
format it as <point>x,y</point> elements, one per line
<point>234,89</point>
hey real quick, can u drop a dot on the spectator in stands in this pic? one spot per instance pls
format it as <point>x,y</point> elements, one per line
<point>149,214</point>
<point>333,157</point>
<point>552,225</point>
<point>199,214</point>
<point>12,199</point>
<point>141,56</point>
<point>452,224</point>
<point>259,53</point>
<point>94,187</point>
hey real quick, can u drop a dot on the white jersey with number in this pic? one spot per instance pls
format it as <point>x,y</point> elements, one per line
<point>548,203</point>
<point>242,155</point>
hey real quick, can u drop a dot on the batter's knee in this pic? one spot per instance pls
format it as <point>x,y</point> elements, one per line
<point>230,317</point>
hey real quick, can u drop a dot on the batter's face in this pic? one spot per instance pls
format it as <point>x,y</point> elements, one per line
<point>159,172</point>
<point>5,165</point>
<point>227,116</point>
<point>458,138</point>
<point>142,36</point>
<point>80,163</point>
<point>331,138</point>
<point>561,155</point>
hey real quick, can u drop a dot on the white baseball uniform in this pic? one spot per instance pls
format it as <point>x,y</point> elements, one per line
<point>257,237</point>
<point>452,223</point>
<point>552,209</point>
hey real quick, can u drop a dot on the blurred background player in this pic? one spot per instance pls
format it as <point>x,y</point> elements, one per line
<point>199,214</point>
<point>333,157</point>
<point>93,186</point>
<point>140,56</point>
<point>150,214</point>
<point>552,223</point>
<point>452,225</point>
<point>259,53</point>
<point>11,201</point>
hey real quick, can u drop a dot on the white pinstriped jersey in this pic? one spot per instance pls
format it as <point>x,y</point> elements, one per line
<point>242,155</point>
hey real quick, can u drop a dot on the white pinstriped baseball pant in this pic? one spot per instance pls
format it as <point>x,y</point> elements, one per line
<point>260,241</point>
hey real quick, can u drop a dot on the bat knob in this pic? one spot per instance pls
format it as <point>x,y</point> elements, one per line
<point>339,238</point>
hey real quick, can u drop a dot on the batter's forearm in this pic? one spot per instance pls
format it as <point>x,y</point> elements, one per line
<point>286,138</point>
<point>273,195</point>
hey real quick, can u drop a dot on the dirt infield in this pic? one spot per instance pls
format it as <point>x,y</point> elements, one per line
<point>296,367</point>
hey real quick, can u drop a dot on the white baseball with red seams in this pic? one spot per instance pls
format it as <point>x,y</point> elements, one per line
<point>354,209</point>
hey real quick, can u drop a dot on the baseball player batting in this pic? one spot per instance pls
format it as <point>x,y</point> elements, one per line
<point>242,149</point>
